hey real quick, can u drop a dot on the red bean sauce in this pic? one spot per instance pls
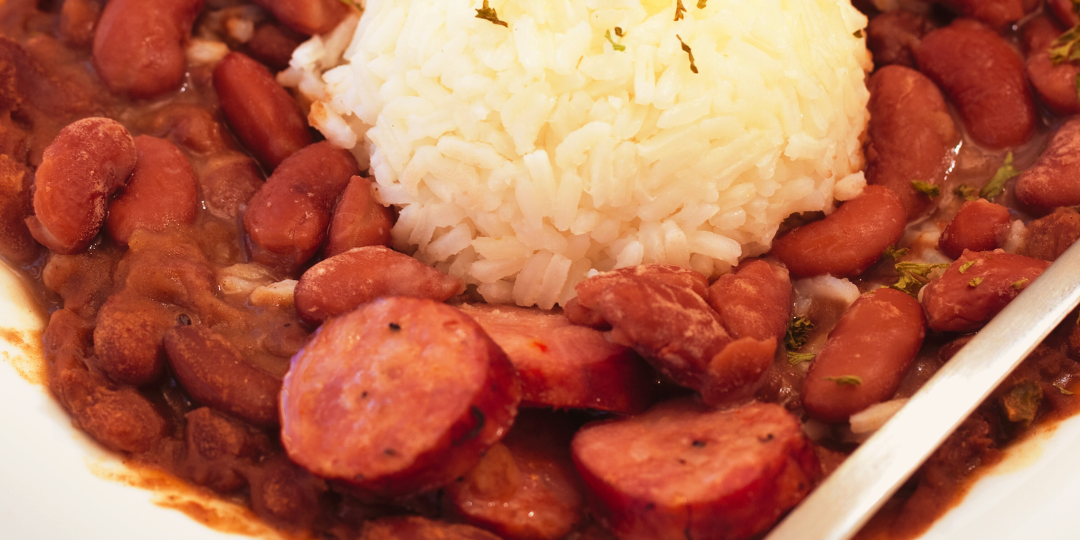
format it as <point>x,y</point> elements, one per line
<point>224,307</point>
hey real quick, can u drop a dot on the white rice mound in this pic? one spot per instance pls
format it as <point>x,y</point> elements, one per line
<point>525,158</point>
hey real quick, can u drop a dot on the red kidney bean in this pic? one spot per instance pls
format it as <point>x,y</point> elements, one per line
<point>341,283</point>
<point>121,419</point>
<point>1055,84</point>
<point>565,366</point>
<point>307,16</point>
<point>419,528</point>
<point>65,346</point>
<point>525,488</point>
<point>218,448</point>
<point>228,181</point>
<point>1048,237</point>
<point>359,220</point>
<point>16,204</point>
<point>979,225</point>
<point>849,240</point>
<point>876,340</point>
<point>910,135</point>
<point>754,300</point>
<point>985,78</point>
<point>1063,10</point>
<point>976,287</point>
<point>77,21</point>
<point>398,397</point>
<point>161,192</point>
<point>139,45</point>
<point>128,339</point>
<point>580,310</point>
<point>686,471</point>
<point>1038,33</point>
<point>88,161</point>
<point>998,14</point>
<point>893,35</point>
<point>216,375</point>
<point>1050,182</point>
<point>284,494</point>
<point>288,217</point>
<point>273,45</point>
<point>192,126</point>
<point>83,281</point>
<point>262,114</point>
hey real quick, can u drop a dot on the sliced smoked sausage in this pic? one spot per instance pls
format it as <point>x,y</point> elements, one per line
<point>398,397</point>
<point>682,470</point>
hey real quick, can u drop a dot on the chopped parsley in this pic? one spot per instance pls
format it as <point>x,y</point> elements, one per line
<point>964,267</point>
<point>1062,389</point>
<point>913,276</point>
<point>895,253</point>
<point>965,192</point>
<point>1022,402</point>
<point>996,185</point>
<point>488,14</point>
<point>1064,48</point>
<point>846,380</point>
<point>680,11</point>
<point>1017,285</point>
<point>686,48</point>
<point>926,188</point>
<point>798,331</point>
<point>975,282</point>
<point>614,45</point>
<point>796,358</point>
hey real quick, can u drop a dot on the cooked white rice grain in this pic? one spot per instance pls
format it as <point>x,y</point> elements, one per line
<point>524,158</point>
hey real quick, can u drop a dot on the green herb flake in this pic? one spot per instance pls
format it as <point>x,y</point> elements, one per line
<point>686,48</point>
<point>1018,285</point>
<point>858,33</point>
<point>614,45</point>
<point>680,12</point>
<point>796,358</point>
<point>487,13</point>
<point>798,331</point>
<point>701,4</point>
<point>913,276</point>
<point>1064,391</point>
<point>975,282</point>
<point>965,192</point>
<point>996,185</point>
<point>1065,47</point>
<point>926,188</point>
<point>1022,402</point>
<point>845,380</point>
<point>964,267</point>
<point>895,253</point>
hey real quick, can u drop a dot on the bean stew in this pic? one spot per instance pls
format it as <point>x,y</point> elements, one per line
<point>224,304</point>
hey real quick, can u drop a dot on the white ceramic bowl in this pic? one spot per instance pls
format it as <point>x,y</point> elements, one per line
<point>56,483</point>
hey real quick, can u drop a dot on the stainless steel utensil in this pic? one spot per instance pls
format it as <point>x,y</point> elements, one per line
<point>854,491</point>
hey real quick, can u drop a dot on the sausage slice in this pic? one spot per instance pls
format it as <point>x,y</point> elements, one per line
<point>398,397</point>
<point>682,470</point>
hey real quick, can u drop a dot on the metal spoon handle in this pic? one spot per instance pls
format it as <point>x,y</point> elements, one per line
<point>854,491</point>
